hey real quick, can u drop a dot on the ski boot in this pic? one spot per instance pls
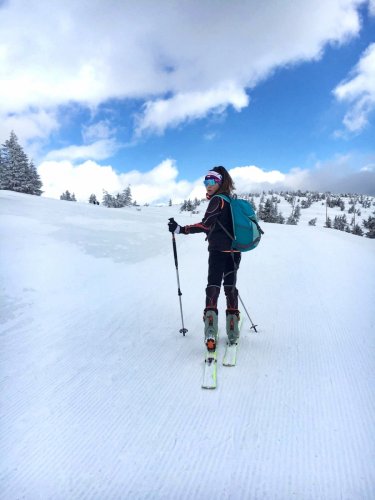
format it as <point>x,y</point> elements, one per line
<point>210,328</point>
<point>233,319</point>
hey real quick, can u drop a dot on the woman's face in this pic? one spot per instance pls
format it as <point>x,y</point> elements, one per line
<point>211,190</point>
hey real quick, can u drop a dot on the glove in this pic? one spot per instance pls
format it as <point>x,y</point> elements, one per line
<point>173,227</point>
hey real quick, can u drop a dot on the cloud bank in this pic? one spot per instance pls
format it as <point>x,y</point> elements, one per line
<point>161,183</point>
<point>182,59</point>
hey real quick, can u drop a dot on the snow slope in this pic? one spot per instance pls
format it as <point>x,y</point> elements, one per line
<point>101,394</point>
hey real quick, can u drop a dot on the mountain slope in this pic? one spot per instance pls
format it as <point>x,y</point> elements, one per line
<point>101,393</point>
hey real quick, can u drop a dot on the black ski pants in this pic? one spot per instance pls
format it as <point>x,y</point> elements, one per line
<point>222,266</point>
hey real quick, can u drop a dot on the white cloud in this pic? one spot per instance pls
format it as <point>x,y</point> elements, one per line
<point>73,51</point>
<point>158,184</point>
<point>371,7</point>
<point>359,91</point>
<point>32,124</point>
<point>97,131</point>
<point>162,113</point>
<point>99,150</point>
<point>83,179</point>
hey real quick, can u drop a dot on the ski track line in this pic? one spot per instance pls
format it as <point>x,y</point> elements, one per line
<point>203,420</point>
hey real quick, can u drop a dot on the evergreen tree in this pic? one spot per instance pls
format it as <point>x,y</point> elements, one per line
<point>357,230</point>
<point>93,199</point>
<point>270,211</point>
<point>297,213</point>
<point>328,222</point>
<point>261,211</point>
<point>17,172</point>
<point>188,205</point>
<point>370,225</point>
<point>107,199</point>
<point>67,196</point>
<point>312,222</point>
<point>340,222</point>
<point>125,198</point>
<point>291,220</point>
<point>280,218</point>
<point>252,203</point>
<point>35,181</point>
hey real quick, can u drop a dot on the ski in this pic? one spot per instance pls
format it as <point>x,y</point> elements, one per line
<point>210,367</point>
<point>230,355</point>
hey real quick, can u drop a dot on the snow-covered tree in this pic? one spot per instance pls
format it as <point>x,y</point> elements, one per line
<point>270,211</point>
<point>357,230</point>
<point>93,199</point>
<point>107,199</point>
<point>17,172</point>
<point>189,205</point>
<point>35,183</point>
<point>125,198</point>
<point>67,196</point>
<point>340,222</point>
<point>370,225</point>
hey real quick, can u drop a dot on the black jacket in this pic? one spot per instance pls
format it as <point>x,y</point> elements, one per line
<point>217,210</point>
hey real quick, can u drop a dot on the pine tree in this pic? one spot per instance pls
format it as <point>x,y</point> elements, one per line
<point>126,197</point>
<point>357,230</point>
<point>269,211</point>
<point>370,225</point>
<point>67,196</point>
<point>340,222</point>
<point>108,199</point>
<point>328,222</point>
<point>260,211</point>
<point>17,172</point>
<point>291,220</point>
<point>93,199</point>
<point>35,181</point>
<point>297,213</point>
<point>252,203</point>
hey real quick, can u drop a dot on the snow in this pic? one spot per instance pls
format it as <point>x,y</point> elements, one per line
<point>101,394</point>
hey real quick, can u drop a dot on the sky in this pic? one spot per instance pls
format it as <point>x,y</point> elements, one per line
<point>103,95</point>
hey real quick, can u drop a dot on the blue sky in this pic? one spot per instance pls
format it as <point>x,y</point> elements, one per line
<point>283,94</point>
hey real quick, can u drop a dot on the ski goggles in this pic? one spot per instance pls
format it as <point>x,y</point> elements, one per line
<point>212,178</point>
<point>210,182</point>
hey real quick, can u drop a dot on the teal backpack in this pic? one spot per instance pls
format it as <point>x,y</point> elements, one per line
<point>247,232</point>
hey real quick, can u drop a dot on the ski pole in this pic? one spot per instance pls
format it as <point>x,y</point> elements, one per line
<point>183,329</point>
<point>235,266</point>
<point>248,315</point>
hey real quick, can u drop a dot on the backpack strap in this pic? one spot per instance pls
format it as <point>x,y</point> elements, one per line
<point>223,197</point>
<point>227,199</point>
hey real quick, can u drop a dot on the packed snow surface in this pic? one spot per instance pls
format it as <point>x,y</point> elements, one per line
<point>101,395</point>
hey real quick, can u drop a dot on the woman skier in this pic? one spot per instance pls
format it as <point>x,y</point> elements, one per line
<point>223,262</point>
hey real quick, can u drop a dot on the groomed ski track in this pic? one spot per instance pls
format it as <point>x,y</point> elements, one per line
<point>101,395</point>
